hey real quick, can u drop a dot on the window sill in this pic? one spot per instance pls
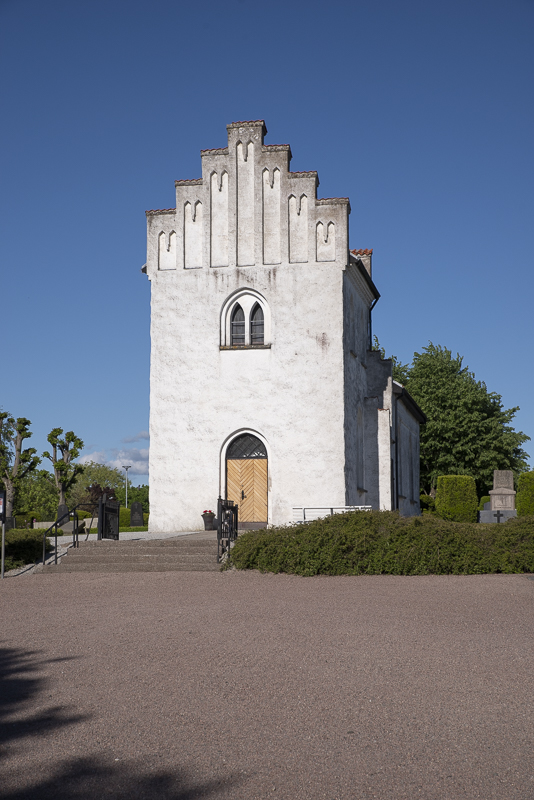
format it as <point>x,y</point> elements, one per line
<point>245,347</point>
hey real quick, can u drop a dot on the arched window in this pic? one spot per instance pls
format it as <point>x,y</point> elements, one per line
<point>245,320</point>
<point>256,325</point>
<point>238,326</point>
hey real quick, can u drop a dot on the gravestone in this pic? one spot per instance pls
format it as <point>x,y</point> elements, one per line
<point>62,510</point>
<point>502,502</point>
<point>136,515</point>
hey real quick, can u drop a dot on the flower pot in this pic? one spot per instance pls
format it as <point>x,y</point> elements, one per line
<point>208,522</point>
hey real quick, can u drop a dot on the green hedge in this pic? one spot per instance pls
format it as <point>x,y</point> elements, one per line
<point>383,543</point>
<point>24,546</point>
<point>124,518</point>
<point>133,530</point>
<point>456,498</point>
<point>27,516</point>
<point>525,494</point>
<point>483,500</point>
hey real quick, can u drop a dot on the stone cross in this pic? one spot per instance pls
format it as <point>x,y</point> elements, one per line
<point>499,514</point>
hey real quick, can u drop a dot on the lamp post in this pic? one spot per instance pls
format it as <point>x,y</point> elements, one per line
<point>126,468</point>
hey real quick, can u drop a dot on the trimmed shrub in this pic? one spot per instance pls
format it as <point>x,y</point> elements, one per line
<point>427,503</point>
<point>456,498</point>
<point>125,518</point>
<point>483,500</point>
<point>138,529</point>
<point>525,494</point>
<point>383,543</point>
<point>24,517</point>
<point>24,547</point>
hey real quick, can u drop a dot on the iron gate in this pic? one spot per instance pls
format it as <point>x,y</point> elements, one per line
<point>226,526</point>
<point>108,518</point>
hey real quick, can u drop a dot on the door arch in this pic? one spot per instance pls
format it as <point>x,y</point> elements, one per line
<point>246,479</point>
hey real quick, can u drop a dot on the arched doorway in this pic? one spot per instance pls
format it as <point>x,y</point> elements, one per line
<point>246,479</point>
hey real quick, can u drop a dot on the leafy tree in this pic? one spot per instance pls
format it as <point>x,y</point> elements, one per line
<point>136,494</point>
<point>37,492</point>
<point>468,431</point>
<point>64,451</point>
<point>108,477</point>
<point>15,463</point>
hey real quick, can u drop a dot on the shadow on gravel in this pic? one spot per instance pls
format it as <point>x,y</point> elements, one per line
<point>81,778</point>
<point>89,778</point>
<point>19,688</point>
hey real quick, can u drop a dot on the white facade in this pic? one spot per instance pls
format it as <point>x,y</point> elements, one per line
<point>253,234</point>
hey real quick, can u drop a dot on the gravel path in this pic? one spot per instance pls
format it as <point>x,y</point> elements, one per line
<point>242,686</point>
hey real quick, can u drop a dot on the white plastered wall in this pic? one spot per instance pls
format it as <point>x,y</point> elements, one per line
<point>291,393</point>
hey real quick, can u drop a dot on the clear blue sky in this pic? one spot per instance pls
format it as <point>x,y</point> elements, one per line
<point>421,113</point>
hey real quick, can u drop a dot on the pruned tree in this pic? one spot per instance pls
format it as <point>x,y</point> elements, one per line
<point>15,463</point>
<point>64,451</point>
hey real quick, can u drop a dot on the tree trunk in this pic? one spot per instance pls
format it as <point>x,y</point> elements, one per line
<point>10,496</point>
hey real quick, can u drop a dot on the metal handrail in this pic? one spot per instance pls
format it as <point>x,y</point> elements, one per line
<point>75,528</point>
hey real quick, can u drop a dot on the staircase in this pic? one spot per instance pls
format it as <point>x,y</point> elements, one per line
<point>193,553</point>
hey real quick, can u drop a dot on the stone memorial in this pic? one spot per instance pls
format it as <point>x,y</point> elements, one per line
<point>136,515</point>
<point>502,503</point>
<point>62,510</point>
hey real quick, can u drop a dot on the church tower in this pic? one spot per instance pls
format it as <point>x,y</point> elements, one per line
<point>263,388</point>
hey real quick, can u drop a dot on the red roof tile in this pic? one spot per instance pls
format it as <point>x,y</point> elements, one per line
<point>362,252</point>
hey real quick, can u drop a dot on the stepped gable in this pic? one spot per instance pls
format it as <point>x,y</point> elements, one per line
<point>247,209</point>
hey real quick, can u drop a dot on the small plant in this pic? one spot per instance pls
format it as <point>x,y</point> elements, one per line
<point>427,503</point>
<point>208,512</point>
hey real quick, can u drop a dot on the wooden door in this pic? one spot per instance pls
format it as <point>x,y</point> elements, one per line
<point>246,485</point>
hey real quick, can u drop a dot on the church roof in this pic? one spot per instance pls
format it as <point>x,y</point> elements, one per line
<point>362,252</point>
<point>409,402</point>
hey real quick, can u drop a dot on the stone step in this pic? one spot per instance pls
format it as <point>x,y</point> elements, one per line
<point>133,558</point>
<point>129,567</point>
<point>162,544</point>
<point>159,555</point>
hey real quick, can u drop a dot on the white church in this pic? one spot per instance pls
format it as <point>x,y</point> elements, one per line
<point>263,385</point>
